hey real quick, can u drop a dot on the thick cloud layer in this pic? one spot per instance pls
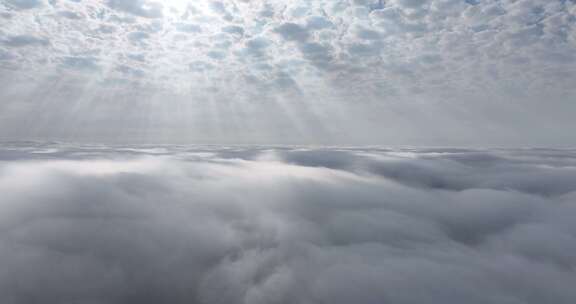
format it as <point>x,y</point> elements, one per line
<point>182,224</point>
<point>289,71</point>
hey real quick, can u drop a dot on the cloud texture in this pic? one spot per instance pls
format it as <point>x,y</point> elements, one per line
<point>182,224</point>
<point>292,71</point>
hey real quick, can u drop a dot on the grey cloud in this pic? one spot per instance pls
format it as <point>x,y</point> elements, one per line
<point>138,37</point>
<point>367,34</point>
<point>292,32</point>
<point>189,28</point>
<point>447,5</point>
<point>217,6</point>
<point>71,15</point>
<point>107,29</point>
<point>81,63</point>
<point>130,71</point>
<point>233,29</point>
<point>256,47</point>
<point>320,55</point>
<point>142,8</point>
<point>217,224</point>
<point>409,3</point>
<point>200,66</point>
<point>216,55</point>
<point>284,81</point>
<point>24,40</point>
<point>5,55</point>
<point>318,23</point>
<point>365,49</point>
<point>267,11</point>
<point>24,4</point>
<point>137,57</point>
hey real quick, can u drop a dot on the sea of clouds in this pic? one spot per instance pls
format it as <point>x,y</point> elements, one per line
<point>257,224</point>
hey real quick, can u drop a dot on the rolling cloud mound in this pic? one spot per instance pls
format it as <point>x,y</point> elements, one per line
<point>217,224</point>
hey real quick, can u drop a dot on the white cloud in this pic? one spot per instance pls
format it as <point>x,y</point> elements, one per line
<point>493,57</point>
<point>219,224</point>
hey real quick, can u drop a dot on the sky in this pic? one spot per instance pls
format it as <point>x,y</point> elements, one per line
<point>338,72</point>
<point>287,151</point>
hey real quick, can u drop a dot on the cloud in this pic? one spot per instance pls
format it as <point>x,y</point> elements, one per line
<point>4,55</point>
<point>183,224</point>
<point>24,4</point>
<point>25,40</point>
<point>138,37</point>
<point>200,66</point>
<point>129,71</point>
<point>449,67</point>
<point>233,29</point>
<point>71,15</point>
<point>292,32</point>
<point>142,8</point>
<point>409,3</point>
<point>318,23</point>
<point>318,54</point>
<point>81,63</point>
<point>256,47</point>
<point>189,28</point>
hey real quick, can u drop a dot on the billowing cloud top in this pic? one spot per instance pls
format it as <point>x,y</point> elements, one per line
<point>263,225</point>
<point>298,70</point>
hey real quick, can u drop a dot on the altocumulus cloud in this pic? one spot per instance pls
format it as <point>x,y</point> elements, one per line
<point>182,224</point>
<point>329,70</point>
